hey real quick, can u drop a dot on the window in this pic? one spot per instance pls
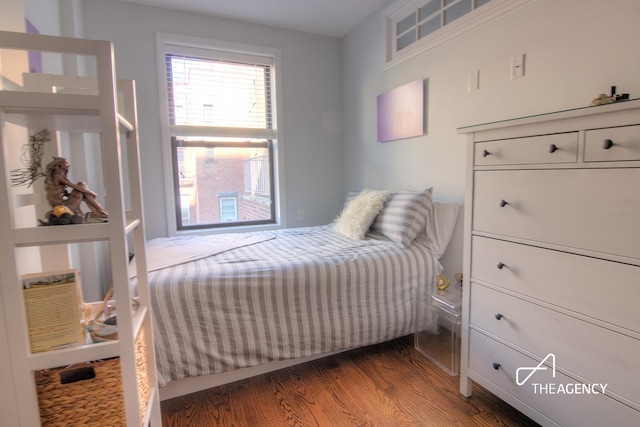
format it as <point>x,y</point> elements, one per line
<point>221,134</point>
<point>414,26</point>
<point>432,16</point>
<point>228,209</point>
<point>186,211</point>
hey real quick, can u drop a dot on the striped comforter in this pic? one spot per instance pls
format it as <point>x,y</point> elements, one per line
<point>308,291</point>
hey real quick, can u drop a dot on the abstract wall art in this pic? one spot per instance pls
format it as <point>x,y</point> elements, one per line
<point>401,112</point>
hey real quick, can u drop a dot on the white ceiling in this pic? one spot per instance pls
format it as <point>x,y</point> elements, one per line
<point>325,17</point>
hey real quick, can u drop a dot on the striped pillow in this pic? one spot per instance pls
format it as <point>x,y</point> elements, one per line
<point>404,216</point>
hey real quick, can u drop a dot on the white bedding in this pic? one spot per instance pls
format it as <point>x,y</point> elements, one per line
<point>164,252</point>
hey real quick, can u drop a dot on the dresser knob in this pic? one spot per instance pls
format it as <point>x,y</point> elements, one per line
<point>607,143</point>
<point>485,153</point>
<point>498,316</point>
<point>503,203</point>
<point>553,148</point>
<point>496,366</point>
<point>500,266</point>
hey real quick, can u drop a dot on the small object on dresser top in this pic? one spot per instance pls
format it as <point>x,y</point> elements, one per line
<point>601,100</point>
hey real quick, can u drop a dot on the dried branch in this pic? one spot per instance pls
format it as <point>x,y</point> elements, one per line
<point>31,157</point>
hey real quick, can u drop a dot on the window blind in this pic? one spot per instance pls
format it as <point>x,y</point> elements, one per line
<point>214,90</point>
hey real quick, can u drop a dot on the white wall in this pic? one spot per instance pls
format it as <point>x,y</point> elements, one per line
<point>311,94</point>
<point>575,49</point>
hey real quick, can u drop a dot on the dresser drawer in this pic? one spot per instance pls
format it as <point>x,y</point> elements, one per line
<point>564,409</point>
<point>589,351</point>
<point>612,144</point>
<point>592,209</point>
<point>557,148</point>
<point>606,290</point>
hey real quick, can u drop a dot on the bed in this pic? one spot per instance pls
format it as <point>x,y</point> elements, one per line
<point>231,306</point>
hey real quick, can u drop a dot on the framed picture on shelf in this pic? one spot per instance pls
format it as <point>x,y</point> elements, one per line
<point>53,305</point>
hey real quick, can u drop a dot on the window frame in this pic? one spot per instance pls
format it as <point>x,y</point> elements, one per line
<point>171,44</point>
<point>400,9</point>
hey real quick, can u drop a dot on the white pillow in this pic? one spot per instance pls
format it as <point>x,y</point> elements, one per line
<point>356,218</point>
<point>440,226</point>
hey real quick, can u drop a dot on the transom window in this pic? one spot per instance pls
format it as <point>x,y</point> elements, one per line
<point>413,26</point>
<point>221,114</point>
<point>434,15</point>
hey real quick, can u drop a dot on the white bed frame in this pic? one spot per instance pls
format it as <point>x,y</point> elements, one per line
<point>193,384</point>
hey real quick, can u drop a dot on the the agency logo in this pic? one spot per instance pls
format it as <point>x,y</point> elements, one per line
<point>525,375</point>
<point>532,370</point>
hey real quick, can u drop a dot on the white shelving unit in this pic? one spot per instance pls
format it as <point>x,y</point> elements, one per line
<point>109,112</point>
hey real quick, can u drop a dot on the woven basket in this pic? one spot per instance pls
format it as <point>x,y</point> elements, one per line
<point>142,372</point>
<point>90,394</point>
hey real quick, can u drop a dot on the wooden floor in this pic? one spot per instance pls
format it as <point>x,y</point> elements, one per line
<point>389,384</point>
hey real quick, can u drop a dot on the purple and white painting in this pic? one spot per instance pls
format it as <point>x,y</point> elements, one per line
<point>401,112</point>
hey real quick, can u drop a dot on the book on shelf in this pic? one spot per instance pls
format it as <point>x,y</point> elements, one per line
<point>53,305</point>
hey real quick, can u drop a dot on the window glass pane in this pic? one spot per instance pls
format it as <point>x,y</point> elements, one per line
<point>185,209</point>
<point>456,11</point>
<point>211,155</point>
<point>406,23</point>
<point>217,93</point>
<point>429,26</point>
<point>228,209</point>
<point>236,187</point>
<point>481,2</point>
<point>406,40</point>
<point>428,9</point>
<point>448,2</point>
<point>208,113</point>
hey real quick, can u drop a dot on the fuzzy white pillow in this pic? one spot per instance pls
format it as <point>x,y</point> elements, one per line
<point>356,218</point>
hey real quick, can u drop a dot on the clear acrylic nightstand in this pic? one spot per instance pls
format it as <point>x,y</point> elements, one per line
<point>441,342</point>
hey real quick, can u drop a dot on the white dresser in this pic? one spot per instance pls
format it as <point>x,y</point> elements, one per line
<point>551,305</point>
